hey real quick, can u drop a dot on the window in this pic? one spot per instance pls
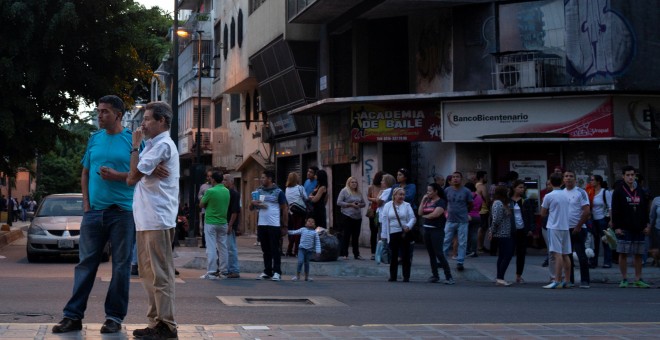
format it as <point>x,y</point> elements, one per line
<point>235,109</point>
<point>217,114</point>
<point>205,116</point>
<point>239,33</point>
<point>232,33</point>
<point>254,4</point>
<point>248,106</point>
<point>225,40</point>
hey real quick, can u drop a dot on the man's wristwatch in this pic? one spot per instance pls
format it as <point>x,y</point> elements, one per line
<point>134,150</point>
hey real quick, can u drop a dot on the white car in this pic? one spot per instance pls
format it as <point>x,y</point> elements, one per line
<point>55,228</point>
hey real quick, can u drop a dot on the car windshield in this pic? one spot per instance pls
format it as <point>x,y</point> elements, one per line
<point>71,206</point>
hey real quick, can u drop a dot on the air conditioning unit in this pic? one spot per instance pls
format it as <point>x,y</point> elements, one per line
<point>518,75</point>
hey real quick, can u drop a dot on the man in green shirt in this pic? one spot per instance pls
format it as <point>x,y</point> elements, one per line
<point>216,202</point>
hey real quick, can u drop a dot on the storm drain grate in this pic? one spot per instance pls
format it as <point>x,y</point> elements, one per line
<point>280,301</point>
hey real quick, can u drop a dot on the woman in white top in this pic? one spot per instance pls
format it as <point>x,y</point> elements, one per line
<point>351,202</point>
<point>398,219</point>
<point>384,195</point>
<point>600,215</point>
<point>295,193</point>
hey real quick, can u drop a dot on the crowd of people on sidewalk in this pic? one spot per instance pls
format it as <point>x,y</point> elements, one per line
<point>460,219</point>
<point>17,210</point>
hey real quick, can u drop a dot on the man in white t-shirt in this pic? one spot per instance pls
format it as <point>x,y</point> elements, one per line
<point>578,212</point>
<point>555,206</point>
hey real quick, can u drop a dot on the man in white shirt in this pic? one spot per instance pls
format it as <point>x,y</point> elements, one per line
<point>578,212</point>
<point>155,206</point>
<point>555,206</point>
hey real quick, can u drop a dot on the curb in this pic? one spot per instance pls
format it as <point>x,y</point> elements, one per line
<point>7,237</point>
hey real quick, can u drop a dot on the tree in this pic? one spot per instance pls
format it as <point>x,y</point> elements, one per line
<point>57,54</point>
<point>60,168</point>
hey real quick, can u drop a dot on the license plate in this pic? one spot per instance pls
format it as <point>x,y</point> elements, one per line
<point>65,244</point>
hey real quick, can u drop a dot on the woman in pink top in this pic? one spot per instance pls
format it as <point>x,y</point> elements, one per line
<point>475,220</point>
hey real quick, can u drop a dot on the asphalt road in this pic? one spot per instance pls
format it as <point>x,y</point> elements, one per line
<point>36,293</point>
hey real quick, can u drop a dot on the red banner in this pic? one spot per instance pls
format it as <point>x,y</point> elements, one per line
<point>395,123</point>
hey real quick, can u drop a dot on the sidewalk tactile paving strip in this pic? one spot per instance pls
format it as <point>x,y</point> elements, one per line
<point>600,331</point>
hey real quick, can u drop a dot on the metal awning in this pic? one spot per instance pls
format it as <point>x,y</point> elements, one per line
<point>331,105</point>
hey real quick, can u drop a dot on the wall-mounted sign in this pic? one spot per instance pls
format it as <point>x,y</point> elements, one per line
<point>395,123</point>
<point>577,117</point>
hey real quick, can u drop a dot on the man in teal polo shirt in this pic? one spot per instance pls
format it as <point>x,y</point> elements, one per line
<point>216,203</point>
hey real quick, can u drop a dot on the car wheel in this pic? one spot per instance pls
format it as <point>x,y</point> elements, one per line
<point>33,258</point>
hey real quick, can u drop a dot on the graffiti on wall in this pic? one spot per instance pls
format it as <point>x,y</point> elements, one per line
<point>369,172</point>
<point>600,41</point>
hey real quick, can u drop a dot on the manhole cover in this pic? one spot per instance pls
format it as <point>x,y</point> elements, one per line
<point>280,301</point>
<point>271,301</point>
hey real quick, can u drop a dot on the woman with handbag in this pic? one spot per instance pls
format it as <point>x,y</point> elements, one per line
<point>523,216</point>
<point>600,214</point>
<point>398,220</point>
<point>501,228</point>
<point>432,210</point>
<point>351,202</point>
<point>372,197</point>
<point>295,195</point>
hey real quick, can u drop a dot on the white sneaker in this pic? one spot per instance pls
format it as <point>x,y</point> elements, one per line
<point>263,276</point>
<point>295,278</point>
<point>276,277</point>
<point>209,276</point>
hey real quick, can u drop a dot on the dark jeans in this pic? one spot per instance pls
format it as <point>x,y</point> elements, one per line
<point>521,250</point>
<point>399,241</point>
<point>599,226</point>
<point>505,246</point>
<point>473,230</point>
<point>577,243</point>
<point>296,221</point>
<point>373,240</point>
<point>269,236</point>
<point>96,229</point>
<point>351,233</point>
<point>434,239</point>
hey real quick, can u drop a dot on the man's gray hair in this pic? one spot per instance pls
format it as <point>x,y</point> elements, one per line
<point>161,110</point>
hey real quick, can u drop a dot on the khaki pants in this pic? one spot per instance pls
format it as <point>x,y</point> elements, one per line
<point>157,274</point>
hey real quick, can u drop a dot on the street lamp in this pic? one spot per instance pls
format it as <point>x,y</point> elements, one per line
<point>196,166</point>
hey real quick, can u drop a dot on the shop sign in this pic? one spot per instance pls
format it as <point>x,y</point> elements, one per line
<point>395,123</point>
<point>579,118</point>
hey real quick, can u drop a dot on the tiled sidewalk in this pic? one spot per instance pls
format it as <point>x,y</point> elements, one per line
<point>434,331</point>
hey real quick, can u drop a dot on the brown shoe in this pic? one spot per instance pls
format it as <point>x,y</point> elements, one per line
<point>233,275</point>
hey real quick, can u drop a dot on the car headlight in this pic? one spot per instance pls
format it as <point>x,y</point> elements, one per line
<point>36,230</point>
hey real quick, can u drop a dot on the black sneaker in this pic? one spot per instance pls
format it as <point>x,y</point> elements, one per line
<point>433,279</point>
<point>142,332</point>
<point>161,331</point>
<point>134,270</point>
<point>110,326</point>
<point>460,267</point>
<point>67,325</point>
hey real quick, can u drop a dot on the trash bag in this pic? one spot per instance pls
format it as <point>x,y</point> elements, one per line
<point>329,247</point>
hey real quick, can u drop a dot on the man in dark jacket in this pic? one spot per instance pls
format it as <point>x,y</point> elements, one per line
<point>630,218</point>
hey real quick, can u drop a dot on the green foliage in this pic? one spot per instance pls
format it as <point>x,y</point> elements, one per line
<point>57,54</point>
<point>60,169</point>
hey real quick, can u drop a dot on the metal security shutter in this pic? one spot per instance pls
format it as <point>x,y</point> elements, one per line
<point>285,165</point>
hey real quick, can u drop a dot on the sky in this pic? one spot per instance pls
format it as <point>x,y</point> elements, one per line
<point>167,5</point>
